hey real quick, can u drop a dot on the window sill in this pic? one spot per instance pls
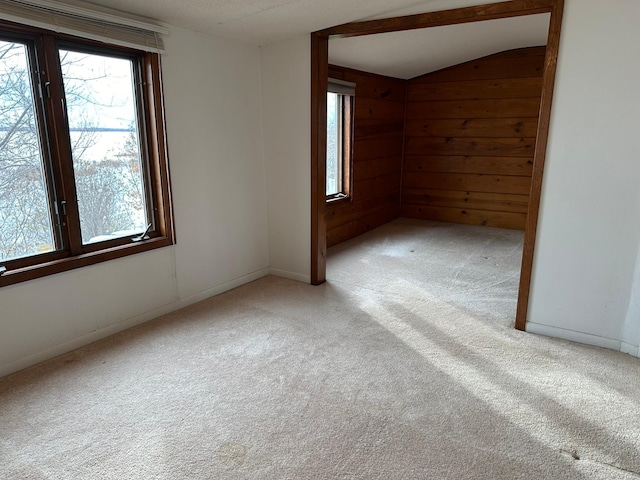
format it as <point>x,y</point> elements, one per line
<point>32,272</point>
<point>334,201</point>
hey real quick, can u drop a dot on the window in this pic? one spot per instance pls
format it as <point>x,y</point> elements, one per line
<point>83,168</point>
<point>340,97</point>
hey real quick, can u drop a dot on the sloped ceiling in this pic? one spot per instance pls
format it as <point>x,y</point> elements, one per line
<point>412,53</point>
<point>400,54</point>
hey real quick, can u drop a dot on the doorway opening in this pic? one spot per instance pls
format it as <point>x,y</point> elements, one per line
<point>320,75</point>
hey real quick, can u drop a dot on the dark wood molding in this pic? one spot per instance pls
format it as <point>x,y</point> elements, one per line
<point>493,11</point>
<point>319,78</point>
<point>59,265</point>
<point>319,60</point>
<point>548,81</point>
<point>157,138</point>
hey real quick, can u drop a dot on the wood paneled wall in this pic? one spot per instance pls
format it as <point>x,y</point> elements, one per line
<point>377,156</point>
<point>455,145</point>
<point>470,135</point>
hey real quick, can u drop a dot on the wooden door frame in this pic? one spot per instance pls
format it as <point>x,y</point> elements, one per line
<point>319,73</point>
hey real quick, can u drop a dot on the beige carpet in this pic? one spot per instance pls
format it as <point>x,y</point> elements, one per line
<point>403,366</point>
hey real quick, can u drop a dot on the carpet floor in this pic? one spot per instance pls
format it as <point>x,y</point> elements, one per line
<point>404,365</point>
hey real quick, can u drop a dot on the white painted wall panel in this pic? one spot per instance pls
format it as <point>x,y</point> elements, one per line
<point>589,230</point>
<point>41,314</point>
<point>212,97</point>
<point>286,105</point>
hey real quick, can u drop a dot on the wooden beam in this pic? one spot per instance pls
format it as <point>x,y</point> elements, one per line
<point>456,16</point>
<point>548,80</point>
<point>319,78</point>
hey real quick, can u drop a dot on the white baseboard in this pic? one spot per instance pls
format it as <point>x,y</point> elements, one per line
<point>91,337</point>
<point>299,277</point>
<point>573,336</point>
<point>225,287</point>
<point>630,349</point>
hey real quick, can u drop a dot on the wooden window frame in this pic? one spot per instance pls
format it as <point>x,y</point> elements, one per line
<point>346,150</point>
<point>72,253</point>
<point>319,71</point>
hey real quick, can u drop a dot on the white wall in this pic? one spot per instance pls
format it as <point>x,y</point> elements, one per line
<point>212,100</point>
<point>286,107</point>
<point>212,93</point>
<point>589,228</point>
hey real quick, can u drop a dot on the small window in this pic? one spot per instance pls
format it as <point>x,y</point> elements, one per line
<point>340,97</point>
<point>83,169</point>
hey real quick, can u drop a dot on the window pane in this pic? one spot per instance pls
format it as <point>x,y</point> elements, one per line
<point>334,144</point>
<point>105,146</point>
<point>26,226</point>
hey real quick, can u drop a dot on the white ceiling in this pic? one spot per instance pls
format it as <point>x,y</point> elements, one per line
<point>412,53</point>
<point>261,22</point>
<point>401,54</point>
